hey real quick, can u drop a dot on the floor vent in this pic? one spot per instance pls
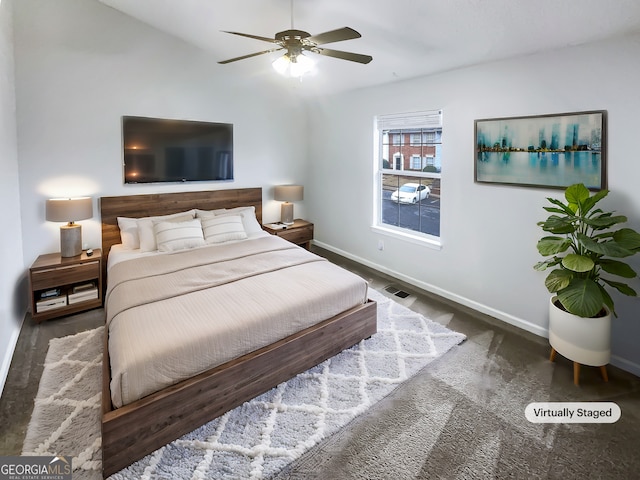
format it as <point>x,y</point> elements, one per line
<point>397,292</point>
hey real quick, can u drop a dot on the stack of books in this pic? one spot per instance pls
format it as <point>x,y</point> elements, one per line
<point>82,293</point>
<point>50,300</point>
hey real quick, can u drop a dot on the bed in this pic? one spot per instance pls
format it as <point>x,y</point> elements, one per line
<point>142,411</point>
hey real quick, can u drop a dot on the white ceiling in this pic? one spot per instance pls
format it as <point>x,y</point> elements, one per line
<point>407,38</point>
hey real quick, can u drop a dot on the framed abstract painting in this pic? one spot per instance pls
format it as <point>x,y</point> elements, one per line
<point>550,151</point>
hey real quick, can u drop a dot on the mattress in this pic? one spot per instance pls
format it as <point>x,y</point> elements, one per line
<point>173,316</point>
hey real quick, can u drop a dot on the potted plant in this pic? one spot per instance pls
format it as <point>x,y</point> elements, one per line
<point>583,253</point>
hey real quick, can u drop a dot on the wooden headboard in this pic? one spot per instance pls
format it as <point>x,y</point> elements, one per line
<point>155,204</point>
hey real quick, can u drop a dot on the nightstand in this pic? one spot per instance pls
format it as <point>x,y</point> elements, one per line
<point>300,233</point>
<point>61,286</point>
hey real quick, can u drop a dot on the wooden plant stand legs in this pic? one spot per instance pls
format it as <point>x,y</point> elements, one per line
<point>576,368</point>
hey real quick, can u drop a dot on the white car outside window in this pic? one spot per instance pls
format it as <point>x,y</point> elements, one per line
<point>410,193</point>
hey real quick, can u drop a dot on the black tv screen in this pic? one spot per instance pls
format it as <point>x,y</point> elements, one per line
<point>163,150</point>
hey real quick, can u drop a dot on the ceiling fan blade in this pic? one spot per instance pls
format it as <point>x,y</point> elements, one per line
<point>249,56</point>
<point>337,35</point>
<point>353,57</point>
<point>257,37</point>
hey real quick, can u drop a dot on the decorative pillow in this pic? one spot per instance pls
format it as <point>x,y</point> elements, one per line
<point>249,220</point>
<point>129,233</point>
<point>208,213</point>
<point>223,228</point>
<point>173,235</point>
<point>145,228</point>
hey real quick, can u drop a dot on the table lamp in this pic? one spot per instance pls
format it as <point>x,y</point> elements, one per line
<point>69,210</point>
<point>288,194</point>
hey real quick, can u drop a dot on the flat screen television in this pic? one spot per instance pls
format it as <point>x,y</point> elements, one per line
<point>163,150</point>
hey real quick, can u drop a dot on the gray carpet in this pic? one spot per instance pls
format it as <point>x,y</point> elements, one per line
<point>463,418</point>
<point>255,440</point>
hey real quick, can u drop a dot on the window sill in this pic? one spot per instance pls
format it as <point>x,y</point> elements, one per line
<point>417,239</point>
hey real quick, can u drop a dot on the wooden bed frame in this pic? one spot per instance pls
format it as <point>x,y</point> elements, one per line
<point>137,429</point>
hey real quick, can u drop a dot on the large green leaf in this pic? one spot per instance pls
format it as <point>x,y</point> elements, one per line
<point>604,221</point>
<point>557,210</point>
<point>616,267</point>
<point>627,238</point>
<point>608,301</point>
<point>557,280</point>
<point>552,245</point>
<point>555,224</point>
<point>577,263</point>
<point>565,208</point>
<point>609,248</point>
<point>621,287</point>
<point>582,297</point>
<point>576,194</point>
<point>588,203</point>
<point>602,236</point>
<point>543,265</point>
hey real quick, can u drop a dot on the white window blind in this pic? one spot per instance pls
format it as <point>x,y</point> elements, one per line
<point>395,121</point>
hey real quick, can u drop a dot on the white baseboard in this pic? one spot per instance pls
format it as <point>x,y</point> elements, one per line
<point>617,361</point>
<point>505,317</point>
<point>8,356</point>
<point>626,365</point>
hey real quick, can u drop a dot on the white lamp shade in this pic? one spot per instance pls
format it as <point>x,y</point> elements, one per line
<point>289,193</point>
<point>69,209</point>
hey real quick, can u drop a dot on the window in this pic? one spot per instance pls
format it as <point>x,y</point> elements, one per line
<point>416,162</point>
<point>407,192</point>
<point>429,137</point>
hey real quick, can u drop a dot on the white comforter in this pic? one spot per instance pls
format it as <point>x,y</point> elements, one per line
<point>173,316</point>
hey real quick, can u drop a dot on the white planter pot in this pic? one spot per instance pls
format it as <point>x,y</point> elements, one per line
<point>583,340</point>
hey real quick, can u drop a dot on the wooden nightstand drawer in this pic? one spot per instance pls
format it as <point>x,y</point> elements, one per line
<point>298,235</point>
<point>43,279</point>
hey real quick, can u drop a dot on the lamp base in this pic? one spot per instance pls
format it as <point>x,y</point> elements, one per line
<point>286,213</point>
<point>70,240</point>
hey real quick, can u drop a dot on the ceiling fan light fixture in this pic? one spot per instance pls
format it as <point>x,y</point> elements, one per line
<point>293,65</point>
<point>281,64</point>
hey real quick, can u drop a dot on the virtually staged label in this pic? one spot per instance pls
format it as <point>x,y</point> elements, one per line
<point>572,412</point>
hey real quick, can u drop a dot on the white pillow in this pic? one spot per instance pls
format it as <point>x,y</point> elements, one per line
<point>172,235</point>
<point>145,228</point>
<point>208,213</point>
<point>249,219</point>
<point>129,233</point>
<point>223,228</point>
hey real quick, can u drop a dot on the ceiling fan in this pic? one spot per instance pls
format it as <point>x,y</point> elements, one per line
<point>296,42</point>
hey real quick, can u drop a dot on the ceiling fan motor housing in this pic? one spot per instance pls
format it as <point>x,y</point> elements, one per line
<point>294,41</point>
<point>288,35</point>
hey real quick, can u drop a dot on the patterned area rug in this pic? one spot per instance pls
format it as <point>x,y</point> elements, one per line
<point>255,440</point>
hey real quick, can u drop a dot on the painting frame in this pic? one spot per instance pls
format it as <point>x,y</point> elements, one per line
<point>569,148</point>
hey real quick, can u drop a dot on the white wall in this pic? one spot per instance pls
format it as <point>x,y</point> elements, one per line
<point>81,65</point>
<point>488,232</point>
<point>12,278</point>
